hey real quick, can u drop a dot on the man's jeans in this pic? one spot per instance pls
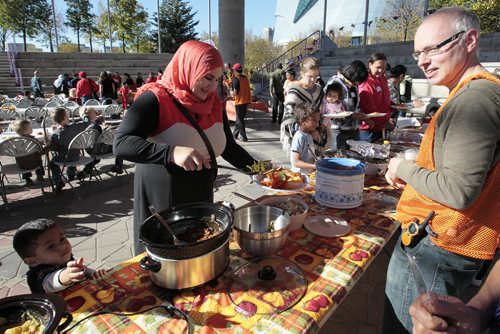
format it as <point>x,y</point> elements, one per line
<point>444,272</point>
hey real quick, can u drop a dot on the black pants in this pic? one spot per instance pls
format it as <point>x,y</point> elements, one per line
<point>278,106</point>
<point>239,128</point>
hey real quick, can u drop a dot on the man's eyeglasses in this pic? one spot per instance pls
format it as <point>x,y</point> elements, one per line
<point>433,51</point>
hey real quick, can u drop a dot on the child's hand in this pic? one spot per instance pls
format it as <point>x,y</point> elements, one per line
<point>75,272</point>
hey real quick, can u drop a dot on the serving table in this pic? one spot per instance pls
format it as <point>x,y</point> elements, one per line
<point>332,267</point>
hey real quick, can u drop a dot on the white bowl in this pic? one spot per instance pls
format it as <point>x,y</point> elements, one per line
<point>375,168</point>
<point>291,204</point>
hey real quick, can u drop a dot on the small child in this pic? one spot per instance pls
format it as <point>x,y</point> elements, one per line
<point>44,247</point>
<point>124,92</point>
<point>332,104</point>
<point>24,129</point>
<point>61,138</point>
<point>302,157</point>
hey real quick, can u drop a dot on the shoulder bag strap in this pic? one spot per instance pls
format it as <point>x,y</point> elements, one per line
<point>200,131</point>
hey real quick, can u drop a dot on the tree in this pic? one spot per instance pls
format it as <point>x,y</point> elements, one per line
<point>128,18</point>
<point>400,20</point>
<point>47,33</point>
<point>24,16</point>
<point>177,24</point>
<point>486,10</point>
<point>101,27</point>
<point>78,16</point>
<point>258,51</point>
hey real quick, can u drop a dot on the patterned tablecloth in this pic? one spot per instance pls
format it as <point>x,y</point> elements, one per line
<point>332,267</point>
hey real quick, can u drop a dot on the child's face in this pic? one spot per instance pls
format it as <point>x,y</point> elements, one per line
<point>332,96</point>
<point>52,248</point>
<point>310,123</point>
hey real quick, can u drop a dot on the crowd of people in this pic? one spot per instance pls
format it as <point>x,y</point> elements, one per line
<point>176,128</point>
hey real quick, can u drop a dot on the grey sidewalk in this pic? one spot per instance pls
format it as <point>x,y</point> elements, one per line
<point>97,218</point>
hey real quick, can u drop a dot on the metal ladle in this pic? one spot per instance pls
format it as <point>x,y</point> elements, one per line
<point>177,242</point>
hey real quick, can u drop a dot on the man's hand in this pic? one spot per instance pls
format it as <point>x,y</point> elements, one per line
<point>189,159</point>
<point>391,176</point>
<point>443,314</point>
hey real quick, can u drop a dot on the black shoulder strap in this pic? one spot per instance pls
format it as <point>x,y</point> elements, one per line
<point>202,134</point>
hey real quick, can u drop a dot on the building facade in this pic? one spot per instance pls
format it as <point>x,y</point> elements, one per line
<point>296,19</point>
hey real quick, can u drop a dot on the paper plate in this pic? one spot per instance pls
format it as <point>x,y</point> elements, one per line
<point>376,114</point>
<point>343,114</point>
<point>327,226</point>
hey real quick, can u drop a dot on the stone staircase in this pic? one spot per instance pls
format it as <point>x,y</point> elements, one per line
<point>51,65</point>
<point>7,82</point>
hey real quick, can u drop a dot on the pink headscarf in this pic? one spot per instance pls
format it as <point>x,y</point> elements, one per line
<point>192,61</point>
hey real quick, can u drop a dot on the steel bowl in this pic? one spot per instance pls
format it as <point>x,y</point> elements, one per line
<point>252,232</point>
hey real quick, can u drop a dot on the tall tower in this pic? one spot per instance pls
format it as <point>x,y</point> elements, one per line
<point>232,30</point>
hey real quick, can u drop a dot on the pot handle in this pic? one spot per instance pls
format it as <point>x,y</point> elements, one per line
<point>69,319</point>
<point>149,264</point>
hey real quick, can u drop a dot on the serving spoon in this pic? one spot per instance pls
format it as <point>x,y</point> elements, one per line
<point>177,242</point>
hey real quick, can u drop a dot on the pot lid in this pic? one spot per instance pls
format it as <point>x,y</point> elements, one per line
<point>266,285</point>
<point>327,226</point>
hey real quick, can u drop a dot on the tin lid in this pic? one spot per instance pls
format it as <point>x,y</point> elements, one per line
<point>266,285</point>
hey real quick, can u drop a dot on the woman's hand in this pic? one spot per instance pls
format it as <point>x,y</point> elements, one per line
<point>188,158</point>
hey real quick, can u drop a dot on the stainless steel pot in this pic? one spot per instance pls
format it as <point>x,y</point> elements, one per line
<point>172,266</point>
<point>186,273</point>
<point>251,229</point>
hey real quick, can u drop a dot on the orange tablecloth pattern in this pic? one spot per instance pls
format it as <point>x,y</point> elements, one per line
<point>231,111</point>
<point>332,267</point>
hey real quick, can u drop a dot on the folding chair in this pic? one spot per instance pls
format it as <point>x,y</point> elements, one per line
<point>92,102</point>
<point>7,114</point>
<point>105,138</point>
<point>53,102</point>
<point>24,103</point>
<point>84,140</point>
<point>40,102</point>
<point>35,115</point>
<point>15,148</point>
<point>71,104</point>
<point>112,109</point>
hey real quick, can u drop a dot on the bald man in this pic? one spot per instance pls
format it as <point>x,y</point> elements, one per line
<point>456,175</point>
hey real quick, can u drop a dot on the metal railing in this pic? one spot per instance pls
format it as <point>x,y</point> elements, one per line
<point>290,58</point>
<point>14,71</point>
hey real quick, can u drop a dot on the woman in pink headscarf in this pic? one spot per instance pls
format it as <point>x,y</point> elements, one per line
<point>173,162</point>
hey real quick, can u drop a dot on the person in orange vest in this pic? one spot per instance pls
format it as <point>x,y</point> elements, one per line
<point>455,181</point>
<point>242,98</point>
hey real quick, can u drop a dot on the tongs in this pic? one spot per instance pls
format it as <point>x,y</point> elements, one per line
<point>177,242</point>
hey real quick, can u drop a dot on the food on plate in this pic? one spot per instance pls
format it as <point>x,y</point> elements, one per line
<point>281,178</point>
<point>25,323</point>
<point>290,206</point>
<point>260,166</point>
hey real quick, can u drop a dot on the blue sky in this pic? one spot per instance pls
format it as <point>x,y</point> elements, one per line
<point>258,14</point>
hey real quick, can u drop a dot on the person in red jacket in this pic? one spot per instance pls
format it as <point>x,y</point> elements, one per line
<point>125,92</point>
<point>374,99</point>
<point>86,88</point>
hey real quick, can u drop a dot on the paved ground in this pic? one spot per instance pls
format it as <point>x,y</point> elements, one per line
<point>97,218</point>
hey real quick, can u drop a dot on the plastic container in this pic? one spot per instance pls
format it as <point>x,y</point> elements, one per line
<point>339,182</point>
